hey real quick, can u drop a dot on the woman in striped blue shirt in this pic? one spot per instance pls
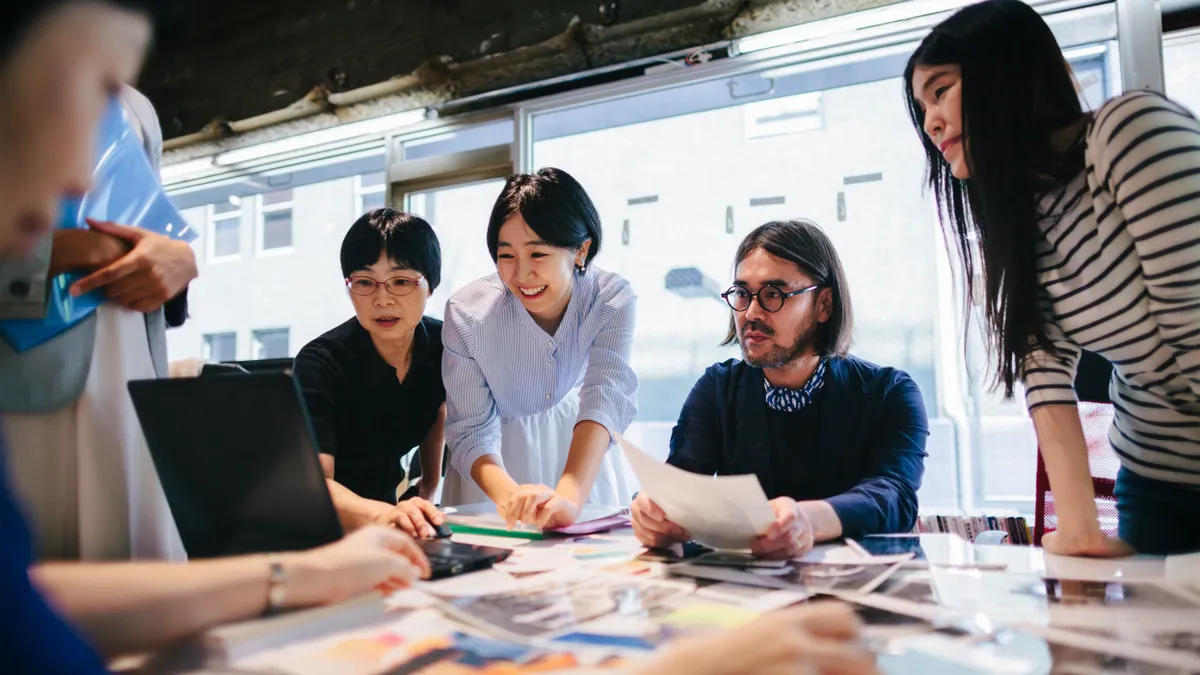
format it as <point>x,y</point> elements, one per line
<point>536,362</point>
<point>1087,229</point>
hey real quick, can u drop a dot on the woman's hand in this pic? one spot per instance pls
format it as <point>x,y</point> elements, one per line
<point>816,638</point>
<point>416,516</point>
<point>1089,544</point>
<point>539,506</point>
<point>373,557</point>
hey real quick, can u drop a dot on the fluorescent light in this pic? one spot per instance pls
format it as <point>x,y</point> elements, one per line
<point>341,132</point>
<point>174,172</point>
<point>846,23</point>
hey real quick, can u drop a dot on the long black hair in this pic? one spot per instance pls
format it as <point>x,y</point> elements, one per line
<point>1016,91</point>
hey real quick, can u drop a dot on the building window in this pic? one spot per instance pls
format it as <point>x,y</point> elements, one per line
<point>275,222</point>
<point>370,192</point>
<point>220,347</point>
<point>273,343</point>
<point>225,230</point>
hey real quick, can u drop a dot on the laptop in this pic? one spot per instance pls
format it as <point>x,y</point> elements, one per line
<point>237,459</point>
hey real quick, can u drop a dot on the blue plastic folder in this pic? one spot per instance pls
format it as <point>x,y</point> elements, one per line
<point>125,190</point>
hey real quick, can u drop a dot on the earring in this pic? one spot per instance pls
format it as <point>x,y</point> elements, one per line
<point>580,266</point>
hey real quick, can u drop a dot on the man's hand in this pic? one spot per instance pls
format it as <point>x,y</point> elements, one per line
<point>157,269</point>
<point>416,517</point>
<point>790,536</point>
<point>651,527</point>
<point>79,250</point>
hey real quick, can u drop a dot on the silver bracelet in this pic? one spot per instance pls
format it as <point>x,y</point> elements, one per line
<point>276,592</point>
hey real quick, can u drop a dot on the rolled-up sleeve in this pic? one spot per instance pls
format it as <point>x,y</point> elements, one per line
<point>1049,378</point>
<point>885,501</point>
<point>24,282</point>
<point>608,395</point>
<point>472,423</point>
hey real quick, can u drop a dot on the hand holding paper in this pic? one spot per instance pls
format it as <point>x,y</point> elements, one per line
<point>791,536</point>
<point>726,512</point>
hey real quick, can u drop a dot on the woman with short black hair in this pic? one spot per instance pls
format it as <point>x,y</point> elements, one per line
<point>1086,227</point>
<point>536,362</point>
<point>373,385</point>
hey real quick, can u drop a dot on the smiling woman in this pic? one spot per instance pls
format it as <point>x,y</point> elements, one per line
<point>537,362</point>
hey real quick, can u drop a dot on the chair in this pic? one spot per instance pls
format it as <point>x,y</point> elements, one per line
<point>1095,415</point>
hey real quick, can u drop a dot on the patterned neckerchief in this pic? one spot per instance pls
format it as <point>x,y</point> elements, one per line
<point>783,399</point>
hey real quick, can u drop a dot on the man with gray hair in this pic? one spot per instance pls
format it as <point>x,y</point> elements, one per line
<point>80,460</point>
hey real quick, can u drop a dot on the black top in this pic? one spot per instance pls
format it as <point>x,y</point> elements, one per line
<point>859,445</point>
<point>361,413</point>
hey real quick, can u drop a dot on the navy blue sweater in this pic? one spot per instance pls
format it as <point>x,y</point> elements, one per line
<point>860,444</point>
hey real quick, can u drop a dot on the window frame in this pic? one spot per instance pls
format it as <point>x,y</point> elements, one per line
<point>206,346</point>
<point>362,191</point>
<point>211,220</point>
<point>256,342</point>
<point>261,209</point>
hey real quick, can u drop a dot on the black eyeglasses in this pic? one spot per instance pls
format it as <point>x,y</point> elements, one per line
<point>770,298</point>
<point>397,286</point>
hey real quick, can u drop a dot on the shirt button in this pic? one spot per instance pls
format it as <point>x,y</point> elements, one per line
<point>19,289</point>
<point>547,395</point>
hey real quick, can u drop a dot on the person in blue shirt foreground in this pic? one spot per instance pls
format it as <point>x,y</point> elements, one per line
<point>837,443</point>
<point>60,61</point>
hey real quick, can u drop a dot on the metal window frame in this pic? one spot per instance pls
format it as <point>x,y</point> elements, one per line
<point>211,218</point>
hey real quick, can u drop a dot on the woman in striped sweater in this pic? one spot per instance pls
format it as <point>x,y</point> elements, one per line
<point>1086,228</point>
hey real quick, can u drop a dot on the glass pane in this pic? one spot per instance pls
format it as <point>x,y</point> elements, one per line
<point>835,146</point>
<point>226,237</point>
<point>463,140</point>
<point>279,197</point>
<point>1181,64</point>
<point>459,215</point>
<point>373,179</point>
<point>277,229</point>
<point>372,201</point>
<point>220,347</point>
<point>303,290</point>
<point>271,344</point>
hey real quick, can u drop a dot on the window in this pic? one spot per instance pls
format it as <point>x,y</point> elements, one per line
<point>220,347</point>
<point>1181,66</point>
<point>370,191</point>
<point>275,222</point>
<point>299,286</point>
<point>459,215</point>
<point>225,230</point>
<point>833,144</point>
<point>272,344</point>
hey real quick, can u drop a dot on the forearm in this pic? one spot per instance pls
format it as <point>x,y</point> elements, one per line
<point>131,606</point>
<point>825,521</point>
<point>589,442</point>
<point>1064,451</point>
<point>491,477</point>
<point>354,511</point>
<point>431,468</point>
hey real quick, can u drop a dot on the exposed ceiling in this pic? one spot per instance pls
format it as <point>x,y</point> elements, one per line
<point>243,65</point>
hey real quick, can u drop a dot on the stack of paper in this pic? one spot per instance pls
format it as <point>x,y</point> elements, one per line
<point>722,513</point>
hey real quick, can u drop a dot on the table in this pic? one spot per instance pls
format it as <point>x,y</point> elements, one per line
<point>952,560</point>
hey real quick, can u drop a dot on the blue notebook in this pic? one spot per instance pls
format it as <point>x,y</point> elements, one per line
<point>125,190</point>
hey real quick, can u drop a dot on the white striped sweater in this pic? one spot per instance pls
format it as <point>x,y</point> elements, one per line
<point>1119,270</point>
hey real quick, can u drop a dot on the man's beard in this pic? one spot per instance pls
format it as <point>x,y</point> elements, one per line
<point>777,355</point>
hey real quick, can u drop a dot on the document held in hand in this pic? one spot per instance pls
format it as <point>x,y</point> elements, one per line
<point>722,512</point>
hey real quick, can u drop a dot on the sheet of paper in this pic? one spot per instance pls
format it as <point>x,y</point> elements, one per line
<point>723,513</point>
<point>708,615</point>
